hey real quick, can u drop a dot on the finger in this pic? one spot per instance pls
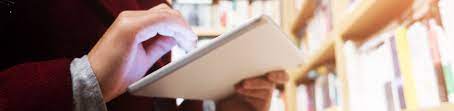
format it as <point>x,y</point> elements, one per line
<point>185,38</point>
<point>169,23</point>
<point>160,6</point>
<point>158,45</point>
<point>257,83</point>
<point>256,93</point>
<point>137,13</point>
<point>278,77</point>
<point>257,104</point>
<point>171,11</point>
<point>164,23</point>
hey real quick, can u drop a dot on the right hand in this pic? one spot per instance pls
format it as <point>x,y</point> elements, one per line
<point>132,44</point>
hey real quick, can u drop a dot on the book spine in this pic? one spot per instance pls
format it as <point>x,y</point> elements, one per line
<point>405,68</point>
<point>434,49</point>
<point>397,73</point>
<point>449,79</point>
<point>447,58</point>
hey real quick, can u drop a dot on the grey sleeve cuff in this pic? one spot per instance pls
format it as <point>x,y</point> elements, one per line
<point>209,105</point>
<point>87,94</point>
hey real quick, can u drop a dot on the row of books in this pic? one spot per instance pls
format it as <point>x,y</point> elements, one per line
<point>447,19</point>
<point>408,68</point>
<point>414,64</point>
<point>323,93</point>
<point>225,13</point>
<point>317,28</point>
<point>326,14</point>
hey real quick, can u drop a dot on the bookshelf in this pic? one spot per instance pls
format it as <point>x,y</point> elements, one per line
<point>211,18</point>
<point>362,22</point>
<point>369,17</point>
<point>304,15</point>
<point>357,25</point>
<point>324,55</point>
<point>332,109</point>
<point>442,107</point>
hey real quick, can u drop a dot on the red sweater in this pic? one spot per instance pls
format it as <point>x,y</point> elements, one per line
<point>54,32</point>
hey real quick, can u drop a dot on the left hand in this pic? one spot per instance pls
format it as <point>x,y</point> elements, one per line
<point>133,43</point>
<point>253,94</point>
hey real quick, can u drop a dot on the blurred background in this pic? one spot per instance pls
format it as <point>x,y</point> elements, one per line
<point>361,55</point>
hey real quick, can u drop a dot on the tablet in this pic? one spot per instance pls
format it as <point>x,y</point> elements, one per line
<point>210,72</point>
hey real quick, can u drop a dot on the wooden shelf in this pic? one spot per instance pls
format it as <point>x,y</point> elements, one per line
<point>323,55</point>
<point>332,108</point>
<point>442,107</point>
<point>208,32</point>
<point>304,15</point>
<point>369,17</point>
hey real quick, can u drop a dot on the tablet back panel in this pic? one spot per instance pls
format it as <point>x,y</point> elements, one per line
<point>210,72</point>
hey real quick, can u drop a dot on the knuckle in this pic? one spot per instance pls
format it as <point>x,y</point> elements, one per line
<point>167,6</point>
<point>123,21</point>
<point>175,12</point>
<point>179,13</point>
<point>123,18</point>
<point>246,83</point>
<point>164,15</point>
<point>124,13</point>
<point>164,5</point>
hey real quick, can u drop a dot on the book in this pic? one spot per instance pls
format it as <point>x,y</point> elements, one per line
<point>334,88</point>
<point>210,72</point>
<point>225,14</point>
<point>322,100</point>
<point>302,98</point>
<point>436,59</point>
<point>446,56</point>
<point>352,77</point>
<point>306,96</point>
<point>395,91</point>
<point>376,66</point>
<point>277,102</point>
<point>318,27</point>
<point>369,68</point>
<point>197,13</point>
<point>418,74</point>
<point>392,96</point>
<point>423,72</point>
<point>403,55</point>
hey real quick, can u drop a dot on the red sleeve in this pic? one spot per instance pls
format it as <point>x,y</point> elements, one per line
<point>33,86</point>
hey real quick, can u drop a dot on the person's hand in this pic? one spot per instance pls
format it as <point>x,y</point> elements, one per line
<point>133,43</point>
<point>253,94</point>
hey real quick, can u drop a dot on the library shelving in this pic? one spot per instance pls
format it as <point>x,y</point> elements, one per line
<point>211,18</point>
<point>361,21</point>
<point>324,55</point>
<point>442,107</point>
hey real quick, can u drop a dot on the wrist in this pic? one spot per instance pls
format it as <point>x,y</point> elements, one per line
<point>109,86</point>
